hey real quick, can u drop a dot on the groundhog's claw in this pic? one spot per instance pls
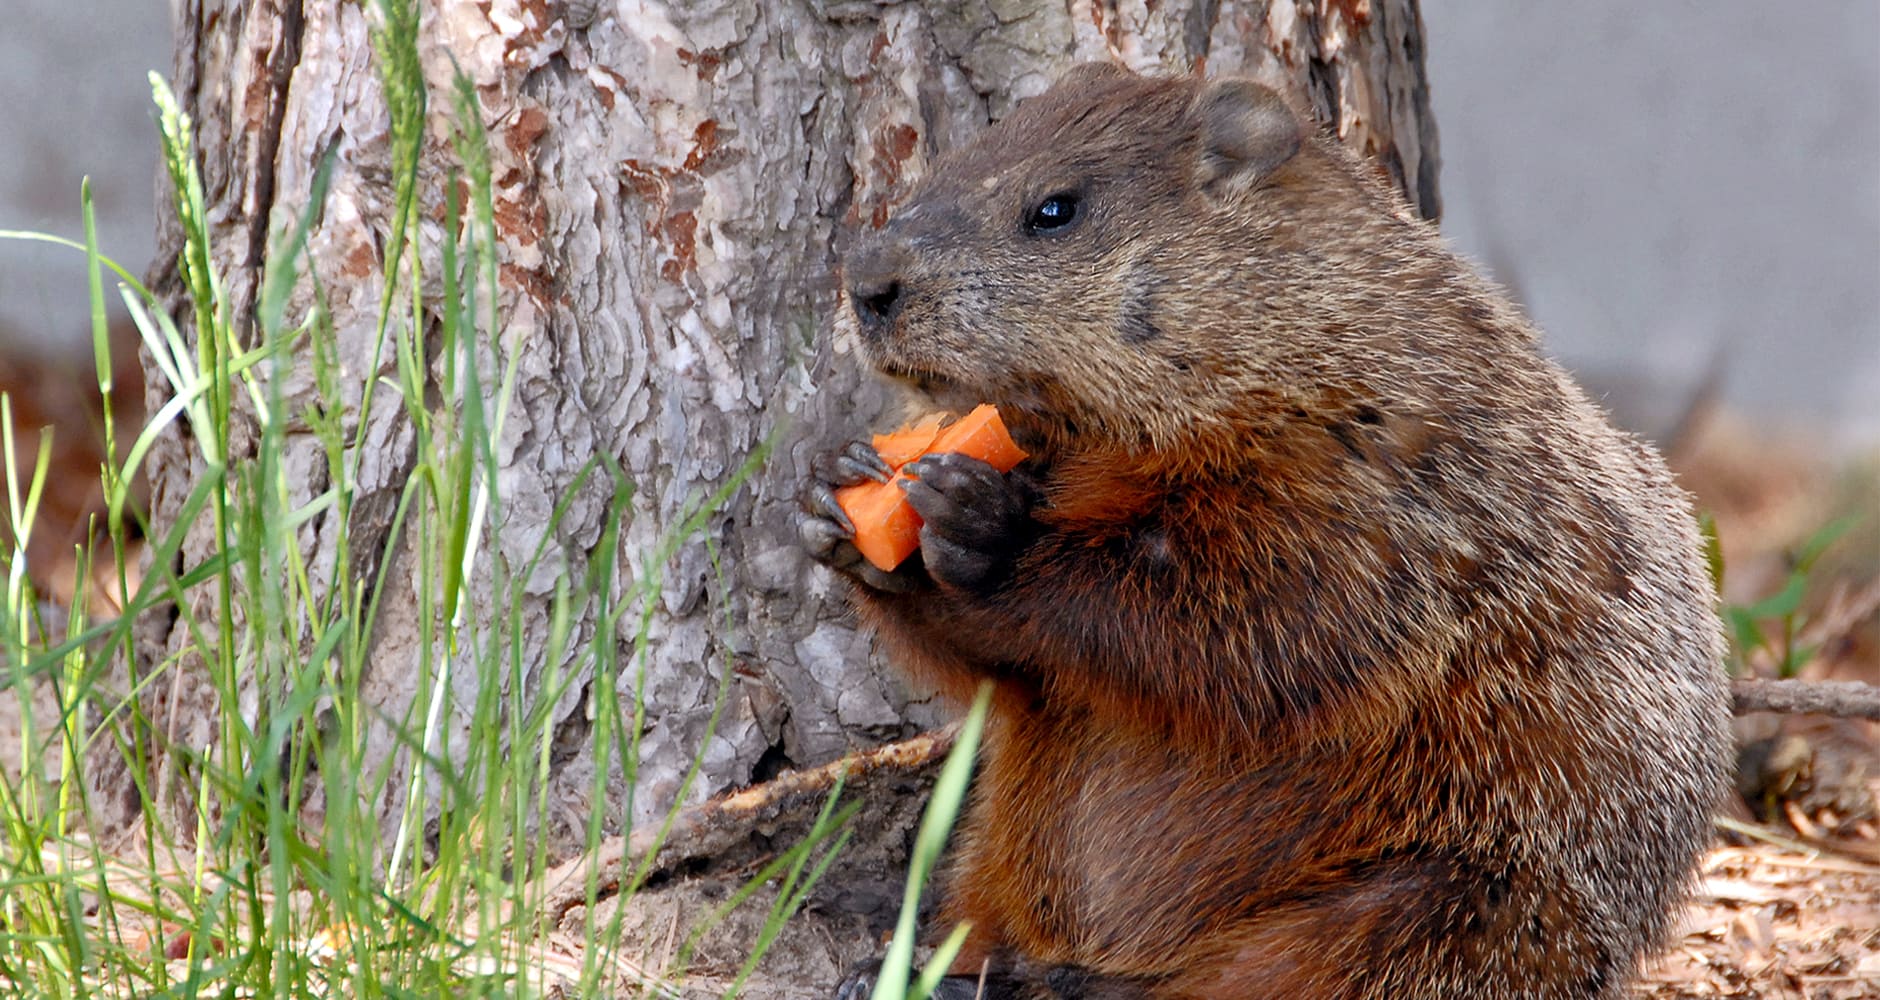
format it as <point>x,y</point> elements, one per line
<point>831,543</point>
<point>822,537</point>
<point>822,503</point>
<point>857,462</point>
<point>825,529</point>
<point>974,519</point>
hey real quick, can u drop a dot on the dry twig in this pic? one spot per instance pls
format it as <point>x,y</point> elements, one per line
<point>708,828</point>
<point>1849,699</point>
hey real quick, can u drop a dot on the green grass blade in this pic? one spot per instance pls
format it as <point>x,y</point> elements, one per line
<point>949,793</point>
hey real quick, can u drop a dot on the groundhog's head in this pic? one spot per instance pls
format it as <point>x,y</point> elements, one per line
<point>1123,257</point>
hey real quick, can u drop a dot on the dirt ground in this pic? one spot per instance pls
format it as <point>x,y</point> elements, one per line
<point>1776,918</point>
<point>1770,923</point>
<point>1766,922</point>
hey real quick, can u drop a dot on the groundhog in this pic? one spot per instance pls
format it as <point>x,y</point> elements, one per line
<point>1342,647</point>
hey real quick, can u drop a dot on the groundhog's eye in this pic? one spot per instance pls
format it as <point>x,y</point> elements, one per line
<point>1055,213</point>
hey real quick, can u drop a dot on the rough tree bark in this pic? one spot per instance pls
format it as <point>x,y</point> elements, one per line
<point>674,181</point>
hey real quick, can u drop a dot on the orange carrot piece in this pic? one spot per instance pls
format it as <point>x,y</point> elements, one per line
<point>981,435</point>
<point>887,530</point>
<point>910,442</point>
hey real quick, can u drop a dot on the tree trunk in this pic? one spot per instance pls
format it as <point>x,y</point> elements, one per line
<point>673,184</point>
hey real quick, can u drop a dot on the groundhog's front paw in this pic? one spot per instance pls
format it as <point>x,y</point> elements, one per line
<point>824,528</point>
<point>976,519</point>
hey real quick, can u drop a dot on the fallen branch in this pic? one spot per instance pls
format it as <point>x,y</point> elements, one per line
<point>709,828</point>
<point>1848,699</point>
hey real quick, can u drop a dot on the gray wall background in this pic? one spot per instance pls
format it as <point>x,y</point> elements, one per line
<point>1668,186</point>
<point>74,101</point>
<point>1669,183</point>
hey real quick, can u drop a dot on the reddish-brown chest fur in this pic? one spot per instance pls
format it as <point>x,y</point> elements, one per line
<point>1222,694</point>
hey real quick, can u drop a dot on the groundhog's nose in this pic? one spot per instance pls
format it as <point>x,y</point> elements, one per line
<point>876,301</point>
<point>875,290</point>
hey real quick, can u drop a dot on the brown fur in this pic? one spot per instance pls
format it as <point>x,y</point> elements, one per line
<point>1350,652</point>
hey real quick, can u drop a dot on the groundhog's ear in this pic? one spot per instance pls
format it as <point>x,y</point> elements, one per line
<point>1085,74</point>
<point>1247,132</point>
